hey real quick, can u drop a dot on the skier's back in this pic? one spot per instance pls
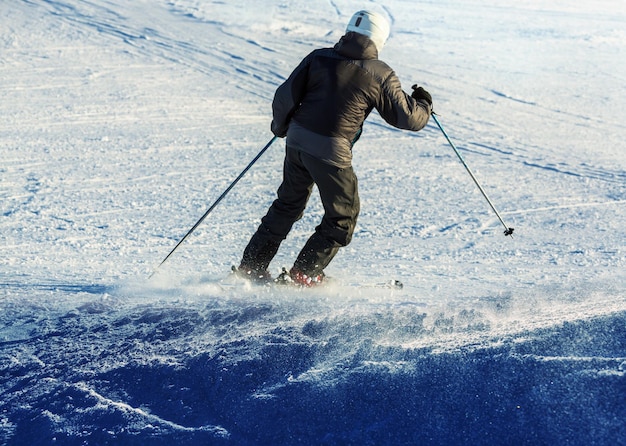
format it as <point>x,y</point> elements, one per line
<point>320,109</point>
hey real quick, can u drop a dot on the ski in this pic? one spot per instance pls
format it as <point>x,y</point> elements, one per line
<point>285,280</point>
<point>391,284</point>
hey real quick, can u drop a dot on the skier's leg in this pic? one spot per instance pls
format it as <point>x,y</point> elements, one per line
<point>339,193</point>
<point>292,197</point>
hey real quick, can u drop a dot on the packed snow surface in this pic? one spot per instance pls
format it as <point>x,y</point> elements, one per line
<point>123,121</point>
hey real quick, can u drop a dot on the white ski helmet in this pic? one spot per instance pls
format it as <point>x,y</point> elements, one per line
<point>371,24</point>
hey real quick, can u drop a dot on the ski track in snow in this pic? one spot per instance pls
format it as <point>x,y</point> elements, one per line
<point>123,121</point>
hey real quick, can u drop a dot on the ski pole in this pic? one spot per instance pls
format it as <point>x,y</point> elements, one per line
<point>507,230</point>
<point>220,198</point>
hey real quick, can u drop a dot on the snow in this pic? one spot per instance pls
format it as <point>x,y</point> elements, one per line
<point>123,122</point>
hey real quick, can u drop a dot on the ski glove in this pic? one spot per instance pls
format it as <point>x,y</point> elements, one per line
<point>420,93</point>
<point>277,130</point>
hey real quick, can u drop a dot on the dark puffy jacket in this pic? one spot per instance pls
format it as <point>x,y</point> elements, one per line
<point>322,105</point>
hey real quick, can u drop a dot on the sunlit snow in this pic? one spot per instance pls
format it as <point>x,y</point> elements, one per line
<point>123,121</point>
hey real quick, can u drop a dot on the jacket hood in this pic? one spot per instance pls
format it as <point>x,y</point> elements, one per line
<point>356,46</point>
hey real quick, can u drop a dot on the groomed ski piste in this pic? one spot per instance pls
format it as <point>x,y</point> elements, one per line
<point>122,121</point>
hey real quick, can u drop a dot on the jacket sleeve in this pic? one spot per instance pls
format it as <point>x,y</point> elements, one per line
<point>399,109</point>
<point>288,97</point>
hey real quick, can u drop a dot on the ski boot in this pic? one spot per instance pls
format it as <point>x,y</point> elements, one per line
<point>254,276</point>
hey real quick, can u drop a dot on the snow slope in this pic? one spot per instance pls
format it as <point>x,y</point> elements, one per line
<point>123,121</point>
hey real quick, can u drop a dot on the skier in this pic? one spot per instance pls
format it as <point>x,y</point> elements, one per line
<point>320,109</point>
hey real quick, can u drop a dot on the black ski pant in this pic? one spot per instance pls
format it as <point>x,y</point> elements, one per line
<point>338,189</point>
